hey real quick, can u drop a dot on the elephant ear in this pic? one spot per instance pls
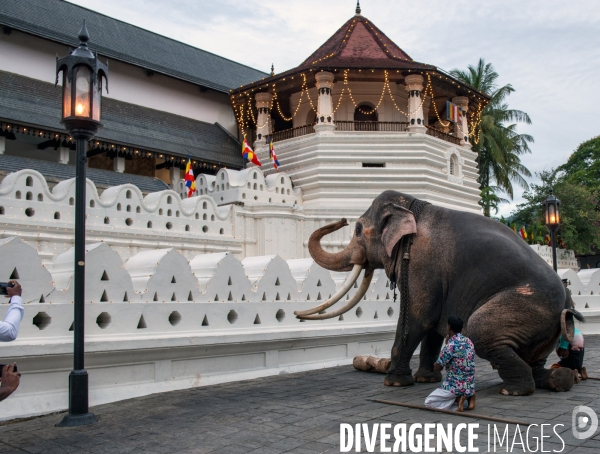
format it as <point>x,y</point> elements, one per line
<point>402,222</point>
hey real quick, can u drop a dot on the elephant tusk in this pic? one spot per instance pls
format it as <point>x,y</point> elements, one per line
<point>352,278</point>
<point>364,286</point>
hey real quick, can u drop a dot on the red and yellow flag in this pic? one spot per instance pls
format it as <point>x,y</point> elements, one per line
<point>190,181</point>
<point>248,153</point>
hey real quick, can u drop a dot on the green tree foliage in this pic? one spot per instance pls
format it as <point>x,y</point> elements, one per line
<point>577,189</point>
<point>496,140</point>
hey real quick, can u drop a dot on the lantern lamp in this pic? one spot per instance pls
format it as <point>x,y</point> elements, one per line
<point>82,77</point>
<point>552,215</point>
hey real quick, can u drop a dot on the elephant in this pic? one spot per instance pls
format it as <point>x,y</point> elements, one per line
<point>513,304</point>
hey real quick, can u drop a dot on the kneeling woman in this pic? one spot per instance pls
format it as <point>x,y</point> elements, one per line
<point>458,357</point>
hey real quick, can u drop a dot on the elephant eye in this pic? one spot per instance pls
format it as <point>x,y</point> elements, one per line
<point>359,228</point>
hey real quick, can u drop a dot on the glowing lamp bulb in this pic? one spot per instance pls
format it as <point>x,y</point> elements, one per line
<point>79,109</point>
<point>552,219</point>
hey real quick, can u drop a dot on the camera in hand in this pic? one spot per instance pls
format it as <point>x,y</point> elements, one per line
<point>4,286</point>
<point>2,368</point>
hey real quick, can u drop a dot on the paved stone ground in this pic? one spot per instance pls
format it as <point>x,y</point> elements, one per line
<point>299,413</point>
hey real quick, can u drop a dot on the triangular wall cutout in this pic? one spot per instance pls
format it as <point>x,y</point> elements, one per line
<point>230,297</point>
<point>319,297</point>
<point>104,276</point>
<point>341,319</point>
<point>319,283</point>
<point>264,298</point>
<point>142,323</point>
<point>355,285</point>
<point>15,274</point>
<point>229,281</point>
<point>277,282</point>
<point>205,321</point>
<point>125,297</point>
<point>72,328</point>
<point>173,280</point>
<point>42,299</point>
<point>289,297</point>
<point>277,297</point>
<point>104,297</point>
<point>155,296</point>
<point>257,320</point>
<point>375,316</point>
<point>243,297</point>
<point>190,296</point>
<point>216,297</point>
<point>173,298</point>
<point>387,296</point>
<point>308,297</point>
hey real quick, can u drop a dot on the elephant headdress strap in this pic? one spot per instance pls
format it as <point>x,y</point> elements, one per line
<point>417,206</point>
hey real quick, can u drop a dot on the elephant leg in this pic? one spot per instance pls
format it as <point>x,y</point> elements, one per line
<point>515,373</point>
<point>400,373</point>
<point>430,352</point>
<point>494,338</point>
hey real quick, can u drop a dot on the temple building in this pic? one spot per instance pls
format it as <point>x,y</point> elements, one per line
<point>359,116</point>
<point>167,100</point>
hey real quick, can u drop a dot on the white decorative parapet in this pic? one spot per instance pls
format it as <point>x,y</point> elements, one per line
<point>565,257</point>
<point>585,290</point>
<point>120,216</point>
<point>160,322</point>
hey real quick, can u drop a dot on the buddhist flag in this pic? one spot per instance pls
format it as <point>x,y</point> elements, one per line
<point>248,153</point>
<point>523,233</point>
<point>190,181</point>
<point>453,112</point>
<point>273,155</point>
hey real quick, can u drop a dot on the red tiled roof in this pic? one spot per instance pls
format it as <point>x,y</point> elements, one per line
<point>360,44</point>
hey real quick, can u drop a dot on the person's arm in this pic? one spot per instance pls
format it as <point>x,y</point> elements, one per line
<point>9,328</point>
<point>444,359</point>
<point>10,381</point>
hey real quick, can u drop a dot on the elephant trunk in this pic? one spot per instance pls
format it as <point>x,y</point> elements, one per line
<point>340,261</point>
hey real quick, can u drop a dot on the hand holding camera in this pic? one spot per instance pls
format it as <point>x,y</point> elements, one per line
<point>10,289</point>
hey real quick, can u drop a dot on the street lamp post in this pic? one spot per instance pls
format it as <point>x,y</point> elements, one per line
<point>82,75</point>
<point>552,214</point>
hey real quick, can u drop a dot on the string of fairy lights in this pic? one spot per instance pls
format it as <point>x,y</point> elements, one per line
<point>64,140</point>
<point>244,111</point>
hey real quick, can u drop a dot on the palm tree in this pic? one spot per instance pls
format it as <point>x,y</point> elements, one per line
<point>497,143</point>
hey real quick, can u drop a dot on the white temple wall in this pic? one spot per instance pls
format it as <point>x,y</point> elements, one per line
<point>237,324</point>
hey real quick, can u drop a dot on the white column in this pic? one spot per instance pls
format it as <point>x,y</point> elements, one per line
<point>325,120</point>
<point>175,174</point>
<point>2,144</point>
<point>414,87</point>
<point>462,130</point>
<point>63,155</point>
<point>263,126</point>
<point>119,165</point>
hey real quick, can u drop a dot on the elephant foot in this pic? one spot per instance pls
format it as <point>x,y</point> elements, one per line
<point>398,380</point>
<point>427,376</point>
<point>561,379</point>
<point>509,389</point>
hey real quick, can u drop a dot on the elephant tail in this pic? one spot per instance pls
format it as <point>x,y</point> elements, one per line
<point>567,324</point>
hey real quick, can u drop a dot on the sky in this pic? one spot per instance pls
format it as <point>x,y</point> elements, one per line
<point>548,50</point>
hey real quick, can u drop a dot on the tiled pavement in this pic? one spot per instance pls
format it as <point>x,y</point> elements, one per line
<point>299,413</point>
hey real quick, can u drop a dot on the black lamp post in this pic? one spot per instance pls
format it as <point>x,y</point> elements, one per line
<point>82,92</point>
<point>552,213</point>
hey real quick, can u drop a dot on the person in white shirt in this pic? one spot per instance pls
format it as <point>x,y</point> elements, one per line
<point>9,329</point>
